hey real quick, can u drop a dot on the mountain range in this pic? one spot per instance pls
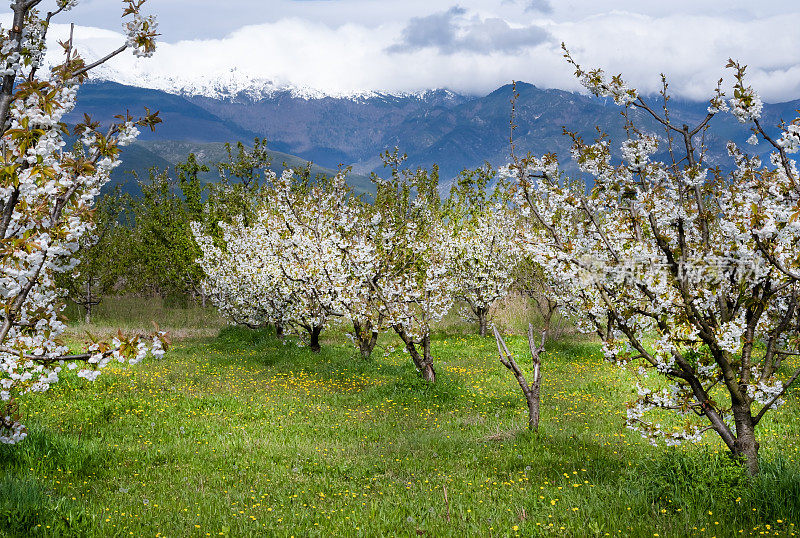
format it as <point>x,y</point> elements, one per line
<point>432,127</point>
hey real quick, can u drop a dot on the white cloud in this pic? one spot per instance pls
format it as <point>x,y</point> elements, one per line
<point>691,47</point>
<point>690,50</point>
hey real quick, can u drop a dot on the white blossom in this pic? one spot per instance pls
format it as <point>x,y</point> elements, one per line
<point>48,193</point>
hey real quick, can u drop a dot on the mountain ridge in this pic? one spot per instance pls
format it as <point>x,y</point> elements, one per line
<point>434,127</point>
<point>235,83</point>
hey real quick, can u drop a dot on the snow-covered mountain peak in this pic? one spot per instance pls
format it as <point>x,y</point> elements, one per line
<point>235,84</point>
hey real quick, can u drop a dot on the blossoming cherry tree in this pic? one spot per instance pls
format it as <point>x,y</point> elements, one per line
<point>686,270</point>
<point>46,199</point>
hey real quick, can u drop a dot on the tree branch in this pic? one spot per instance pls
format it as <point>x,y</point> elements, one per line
<point>82,357</point>
<point>101,61</point>
<point>767,407</point>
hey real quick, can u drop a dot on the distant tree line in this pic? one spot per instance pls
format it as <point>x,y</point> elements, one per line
<point>143,245</point>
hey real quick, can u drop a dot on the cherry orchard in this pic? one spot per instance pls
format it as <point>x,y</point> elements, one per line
<point>290,266</point>
<point>703,261</point>
<point>46,199</point>
<point>484,250</point>
<point>311,222</point>
<point>412,284</point>
<point>317,253</point>
<point>242,276</point>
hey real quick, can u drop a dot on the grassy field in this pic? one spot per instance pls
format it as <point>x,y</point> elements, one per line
<point>139,313</point>
<point>239,434</point>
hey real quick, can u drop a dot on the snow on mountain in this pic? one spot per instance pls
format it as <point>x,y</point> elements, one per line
<point>237,84</point>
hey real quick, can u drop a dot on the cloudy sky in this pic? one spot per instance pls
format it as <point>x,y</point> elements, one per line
<point>474,46</point>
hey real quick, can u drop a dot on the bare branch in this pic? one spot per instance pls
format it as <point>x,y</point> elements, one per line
<point>777,397</point>
<point>101,61</point>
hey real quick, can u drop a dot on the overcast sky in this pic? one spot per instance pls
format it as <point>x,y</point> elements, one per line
<point>469,46</point>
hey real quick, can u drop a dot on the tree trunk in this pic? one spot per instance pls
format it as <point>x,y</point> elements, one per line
<point>88,304</point>
<point>531,392</point>
<point>746,444</point>
<point>373,341</point>
<point>428,373</point>
<point>424,362</point>
<point>533,411</point>
<point>314,339</point>
<point>483,321</point>
<point>536,358</point>
<point>366,337</point>
<point>279,331</point>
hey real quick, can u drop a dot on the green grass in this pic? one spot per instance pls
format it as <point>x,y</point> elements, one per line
<point>178,315</point>
<point>244,435</point>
